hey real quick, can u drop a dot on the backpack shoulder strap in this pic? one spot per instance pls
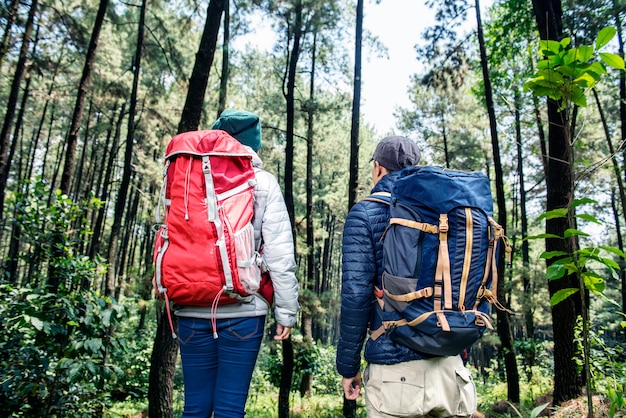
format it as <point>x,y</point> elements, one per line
<point>380,197</point>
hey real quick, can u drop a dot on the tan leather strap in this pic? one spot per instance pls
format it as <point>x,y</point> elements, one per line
<point>408,297</point>
<point>424,227</point>
<point>467,260</point>
<point>377,333</point>
<point>482,319</point>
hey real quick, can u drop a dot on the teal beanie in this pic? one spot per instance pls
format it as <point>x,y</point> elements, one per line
<point>244,126</point>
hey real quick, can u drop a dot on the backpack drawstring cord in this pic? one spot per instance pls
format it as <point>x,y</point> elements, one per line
<point>216,302</point>
<point>169,315</point>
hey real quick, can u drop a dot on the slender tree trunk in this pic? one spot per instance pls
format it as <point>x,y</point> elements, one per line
<point>163,367</point>
<point>622,80</point>
<point>612,152</point>
<point>83,87</point>
<point>11,267</point>
<point>165,348</point>
<point>7,126</point>
<point>107,172</point>
<point>504,324</point>
<point>6,37</point>
<point>526,280</point>
<point>54,278</point>
<point>291,113</point>
<point>353,184</point>
<point>288,360</point>
<point>192,112</point>
<point>310,238</point>
<point>560,194</point>
<point>120,202</point>
<point>221,106</point>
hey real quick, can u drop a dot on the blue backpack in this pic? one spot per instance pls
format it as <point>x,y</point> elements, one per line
<point>440,252</point>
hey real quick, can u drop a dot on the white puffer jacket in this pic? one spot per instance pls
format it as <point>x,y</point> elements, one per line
<point>272,226</point>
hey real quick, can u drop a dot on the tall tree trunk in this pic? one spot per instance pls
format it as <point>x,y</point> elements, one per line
<point>560,194</point>
<point>622,80</point>
<point>103,184</point>
<point>526,279</point>
<point>83,87</point>
<point>349,405</point>
<point>162,367</point>
<point>292,75</point>
<point>353,184</point>
<point>221,105</point>
<point>7,126</point>
<point>54,278</point>
<point>310,237</point>
<point>504,324</point>
<point>612,153</point>
<point>165,348</point>
<point>120,202</point>
<point>6,37</point>
<point>192,112</point>
<point>16,232</point>
<point>288,360</point>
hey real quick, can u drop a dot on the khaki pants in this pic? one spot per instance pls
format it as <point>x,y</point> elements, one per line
<point>438,387</point>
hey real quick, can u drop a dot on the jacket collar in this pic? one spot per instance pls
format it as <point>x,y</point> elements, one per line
<point>386,183</point>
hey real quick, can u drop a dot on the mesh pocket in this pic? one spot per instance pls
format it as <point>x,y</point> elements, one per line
<point>247,259</point>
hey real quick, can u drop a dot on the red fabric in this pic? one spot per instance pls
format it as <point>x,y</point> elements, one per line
<point>191,267</point>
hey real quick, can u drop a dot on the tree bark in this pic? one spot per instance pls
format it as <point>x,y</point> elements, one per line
<point>560,190</point>
<point>221,106</point>
<point>504,324</point>
<point>165,348</point>
<point>192,112</point>
<point>526,279</point>
<point>356,109</point>
<point>83,86</point>
<point>292,74</point>
<point>6,37</point>
<point>127,169</point>
<point>11,105</point>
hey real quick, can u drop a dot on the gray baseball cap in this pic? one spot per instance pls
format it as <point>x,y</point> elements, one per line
<point>396,152</point>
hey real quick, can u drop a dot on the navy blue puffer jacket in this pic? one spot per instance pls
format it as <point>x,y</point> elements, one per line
<point>362,253</point>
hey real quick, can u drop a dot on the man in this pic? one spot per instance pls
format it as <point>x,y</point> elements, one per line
<point>399,382</point>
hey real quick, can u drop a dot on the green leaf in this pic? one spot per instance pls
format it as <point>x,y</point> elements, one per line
<point>583,201</point>
<point>588,218</point>
<point>597,70</point>
<point>604,36</point>
<point>543,236</point>
<point>593,282</point>
<point>570,56</point>
<point>613,250</point>
<point>565,42</point>
<point>578,97</point>
<point>37,323</point>
<point>555,271</point>
<point>535,412</point>
<point>561,295</point>
<point>554,213</point>
<point>609,263</point>
<point>585,81</point>
<point>612,60</point>
<point>551,254</point>
<point>570,232</point>
<point>584,54</point>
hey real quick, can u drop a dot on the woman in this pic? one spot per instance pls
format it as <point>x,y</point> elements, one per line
<point>217,371</point>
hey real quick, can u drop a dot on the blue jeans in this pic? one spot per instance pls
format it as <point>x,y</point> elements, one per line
<point>217,371</point>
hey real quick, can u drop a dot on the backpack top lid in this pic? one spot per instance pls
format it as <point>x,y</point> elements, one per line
<point>442,190</point>
<point>206,142</point>
<point>230,161</point>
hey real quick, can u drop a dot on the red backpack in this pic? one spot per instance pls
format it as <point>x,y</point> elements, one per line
<point>204,253</point>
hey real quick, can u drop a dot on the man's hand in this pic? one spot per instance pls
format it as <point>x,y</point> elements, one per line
<point>352,386</point>
<point>282,333</point>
